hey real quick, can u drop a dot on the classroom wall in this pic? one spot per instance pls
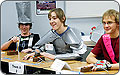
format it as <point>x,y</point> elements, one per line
<point>9,25</point>
<point>41,25</point>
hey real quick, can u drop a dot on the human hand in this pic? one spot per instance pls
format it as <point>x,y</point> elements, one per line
<point>26,50</point>
<point>48,55</point>
<point>101,65</point>
<point>28,56</point>
<point>87,68</point>
<point>15,39</point>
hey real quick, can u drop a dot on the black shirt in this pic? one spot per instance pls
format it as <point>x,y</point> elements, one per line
<point>24,40</point>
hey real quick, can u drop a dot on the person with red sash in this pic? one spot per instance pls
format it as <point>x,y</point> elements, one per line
<point>108,44</point>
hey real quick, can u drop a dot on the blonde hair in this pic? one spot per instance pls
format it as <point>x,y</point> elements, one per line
<point>110,13</point>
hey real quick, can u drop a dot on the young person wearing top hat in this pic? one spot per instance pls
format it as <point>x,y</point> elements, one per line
<point>108,44</point>
<point>26,39</point>
<point>66,40</point>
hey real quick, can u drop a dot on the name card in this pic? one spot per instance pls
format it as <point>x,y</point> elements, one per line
<point>58,65</point>
<point>16,67</point>
<point>49,46</point>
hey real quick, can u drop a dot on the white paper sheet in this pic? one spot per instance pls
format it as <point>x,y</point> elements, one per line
<point>16,67</point>
<point>58,65</point>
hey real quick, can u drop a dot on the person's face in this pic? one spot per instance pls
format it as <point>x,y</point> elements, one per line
<point>109,24</point>
<point>55,21</point>
<point>24,28</point>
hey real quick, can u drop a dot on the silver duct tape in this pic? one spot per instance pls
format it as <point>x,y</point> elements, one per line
<point>48,37</point>
<point>69,37</point>
<point>24,12</point>
<point>72,36</point>
<point>67,56</point>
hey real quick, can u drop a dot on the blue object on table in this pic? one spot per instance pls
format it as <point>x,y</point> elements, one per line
<point>7,58</point>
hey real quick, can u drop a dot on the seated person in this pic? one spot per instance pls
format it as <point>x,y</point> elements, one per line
<point>108,44</point>
<point>66,40</point>
<point>25,39</point>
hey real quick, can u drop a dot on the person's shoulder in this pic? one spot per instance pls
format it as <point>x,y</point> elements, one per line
<point>100,40</point>
<point>35,34</point>
<point>101,37</point>
<point>36,37</point>
<point>73,29</point>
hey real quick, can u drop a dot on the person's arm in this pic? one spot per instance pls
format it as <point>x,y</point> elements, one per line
<point>7,44</point>
<point>78,50</point>
<point>67,56</point>
<point>115,66</point>
<point>75,44</point>
<point>27,50</point>
<point>48,55</point>
<point>48,37</point>
<point>91,58</point>
<point>28,56</point>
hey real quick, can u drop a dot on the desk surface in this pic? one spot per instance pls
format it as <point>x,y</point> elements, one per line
<point>12,58</point>
<point>46,64</point>
<point>89,43</point>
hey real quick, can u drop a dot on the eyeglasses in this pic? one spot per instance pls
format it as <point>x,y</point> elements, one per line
<point>108,23</point>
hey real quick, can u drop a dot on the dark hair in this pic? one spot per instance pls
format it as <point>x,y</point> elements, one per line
<point>60,14</point>
<point>25,24</point>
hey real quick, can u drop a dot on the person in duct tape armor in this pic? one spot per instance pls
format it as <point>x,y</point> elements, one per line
<point>66,41</point>
<point>26,39</point>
